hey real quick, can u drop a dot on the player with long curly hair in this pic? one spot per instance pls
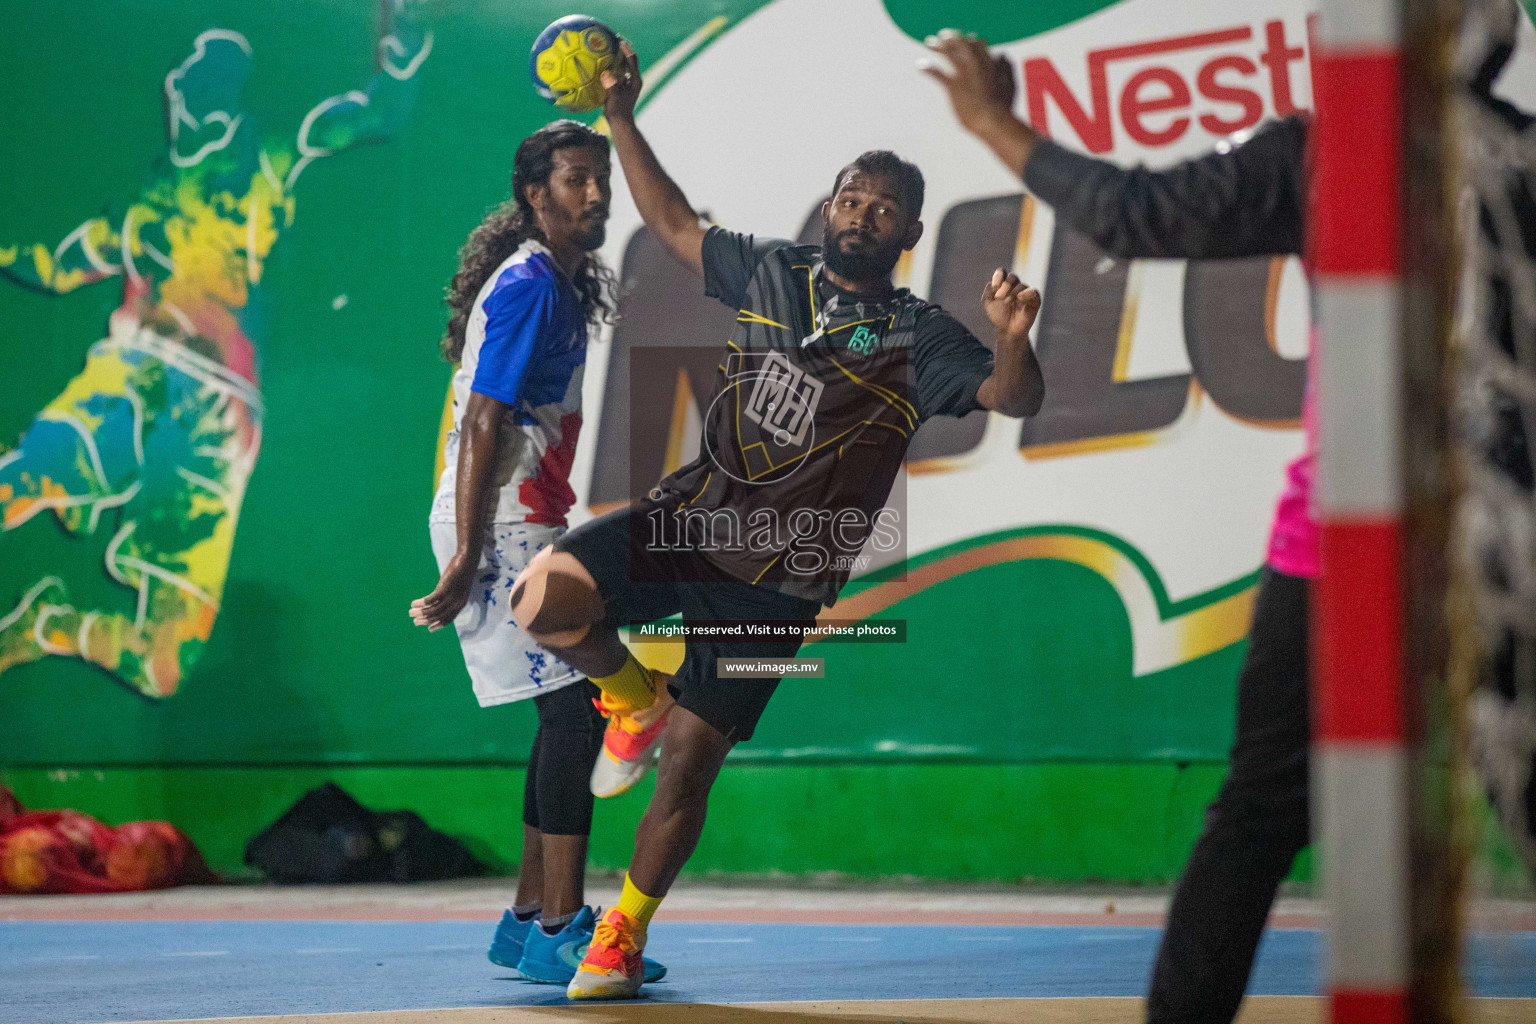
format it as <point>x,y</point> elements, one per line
<point>527,289</point>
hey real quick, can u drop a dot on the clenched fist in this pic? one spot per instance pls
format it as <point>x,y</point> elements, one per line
<point>1011,304</point>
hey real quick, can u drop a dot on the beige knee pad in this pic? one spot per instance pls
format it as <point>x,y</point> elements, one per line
<point>555,599</point>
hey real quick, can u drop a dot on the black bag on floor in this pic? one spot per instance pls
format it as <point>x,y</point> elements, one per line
<point>416,852</point>
<point>329,837</point>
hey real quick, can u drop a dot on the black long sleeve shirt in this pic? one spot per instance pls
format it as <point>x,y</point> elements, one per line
<point>1245,200</point>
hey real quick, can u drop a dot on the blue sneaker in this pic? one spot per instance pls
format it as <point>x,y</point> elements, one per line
<point>507,947</point>
<point>553,959</point>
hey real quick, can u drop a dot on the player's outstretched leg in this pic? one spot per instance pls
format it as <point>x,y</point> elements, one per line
<point>556,601</point>
<point>691,758</point>
<point>557,817</point>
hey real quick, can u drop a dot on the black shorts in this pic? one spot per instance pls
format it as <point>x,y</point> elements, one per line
<point>641,584</point>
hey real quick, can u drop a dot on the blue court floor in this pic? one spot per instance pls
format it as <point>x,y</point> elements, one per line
<point>78,972</point>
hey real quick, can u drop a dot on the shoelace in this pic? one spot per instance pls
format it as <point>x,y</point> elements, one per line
<point>630,723</point>
<point>608,710</point>
<point>607,934</point>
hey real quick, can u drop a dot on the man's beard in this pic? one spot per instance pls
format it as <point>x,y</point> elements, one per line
<point>591,237</point>
<point>869,262</point>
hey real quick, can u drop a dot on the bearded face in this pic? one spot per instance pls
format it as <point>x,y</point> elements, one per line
<point>857,254</point>
<point>866,226</point>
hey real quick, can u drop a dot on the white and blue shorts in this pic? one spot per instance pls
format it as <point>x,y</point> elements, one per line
<point>503,661</point>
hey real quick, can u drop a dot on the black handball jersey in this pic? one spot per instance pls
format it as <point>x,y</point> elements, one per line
<point>818,394</point>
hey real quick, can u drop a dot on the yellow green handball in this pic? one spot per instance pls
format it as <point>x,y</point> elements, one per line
<point>568,60</point>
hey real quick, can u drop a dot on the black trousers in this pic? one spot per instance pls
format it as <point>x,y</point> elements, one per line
<point>1254,829</point>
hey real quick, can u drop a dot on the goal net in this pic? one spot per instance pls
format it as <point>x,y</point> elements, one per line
<point>1495,403</point>
<point>1427,610</point>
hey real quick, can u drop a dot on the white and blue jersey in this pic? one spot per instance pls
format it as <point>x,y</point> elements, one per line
<point>525,345</point>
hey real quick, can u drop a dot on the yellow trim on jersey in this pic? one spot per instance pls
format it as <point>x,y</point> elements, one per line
<point>872,444</point>
<point>812,451</point>
<point>770,565</point>
<point>746,316</point>
<point>710,476</point>
<point>891,398</point>
<point>889,326</point>
<point>810,286</point>
<point>764,446</point>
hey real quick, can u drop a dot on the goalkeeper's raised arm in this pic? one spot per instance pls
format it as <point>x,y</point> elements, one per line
<point>1248,199</point>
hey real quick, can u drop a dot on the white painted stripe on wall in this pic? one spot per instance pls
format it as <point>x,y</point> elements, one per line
<point>1359,398</point>
<point>1360,24</point>
<point>1361,794</point>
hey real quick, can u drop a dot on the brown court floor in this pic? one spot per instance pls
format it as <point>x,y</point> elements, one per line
<point>1256,1010</point>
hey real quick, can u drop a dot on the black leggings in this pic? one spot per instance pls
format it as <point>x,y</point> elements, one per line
<point>557,795</point>
<point>1254,829</point>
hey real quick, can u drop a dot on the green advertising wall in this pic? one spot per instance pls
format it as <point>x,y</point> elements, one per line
<point>1009,738</point>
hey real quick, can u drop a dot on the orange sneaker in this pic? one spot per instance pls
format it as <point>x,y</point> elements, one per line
<point>630,741</point>
<point>613,967</point>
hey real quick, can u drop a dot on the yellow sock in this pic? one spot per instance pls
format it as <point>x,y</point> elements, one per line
<point>637,905</point>
<point>628,689</point>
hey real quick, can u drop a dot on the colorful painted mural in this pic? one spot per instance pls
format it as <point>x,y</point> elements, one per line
<point>146,453</point>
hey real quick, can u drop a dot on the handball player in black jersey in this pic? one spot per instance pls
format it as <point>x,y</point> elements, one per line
<point>828,374</point>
